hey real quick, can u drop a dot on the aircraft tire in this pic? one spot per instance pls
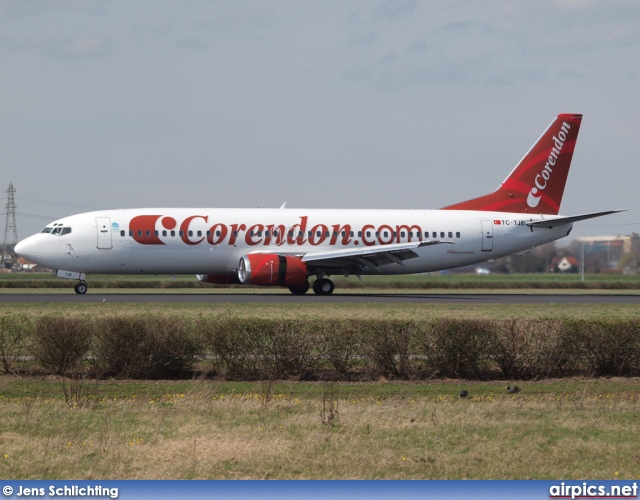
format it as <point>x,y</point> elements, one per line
<point>81,288</point>
<point>299,289</point>
<point>323,286</point>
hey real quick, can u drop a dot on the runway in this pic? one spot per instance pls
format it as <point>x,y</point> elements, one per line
<point>342,298</point>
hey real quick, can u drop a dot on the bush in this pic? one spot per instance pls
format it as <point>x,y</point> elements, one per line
<point>15,332</point>
<point>526,349</point>
<point>144,347</point>
<point>230,344</point>
<point>339,343</point>
<point>60,343</point>
<point>609,347</point>
<point>393,347</point>
<point>459,348</point>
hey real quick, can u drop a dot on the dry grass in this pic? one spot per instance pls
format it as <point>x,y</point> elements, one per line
<point>557,429</point>
<point>318,309</point>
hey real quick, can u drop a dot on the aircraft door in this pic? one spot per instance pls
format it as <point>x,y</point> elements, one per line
<point>487,236</point>
<point>103,225</point>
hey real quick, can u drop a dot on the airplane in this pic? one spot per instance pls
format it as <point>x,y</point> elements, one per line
<point>285,247</point>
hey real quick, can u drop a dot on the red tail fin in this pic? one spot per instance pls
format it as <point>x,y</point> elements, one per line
<point>536,185</point>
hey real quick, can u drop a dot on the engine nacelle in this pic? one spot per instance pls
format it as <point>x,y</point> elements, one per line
<point>272,270</point>
<point>218,279</point>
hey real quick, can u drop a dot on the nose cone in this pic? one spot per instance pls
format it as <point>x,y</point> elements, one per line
<point>28,248</point>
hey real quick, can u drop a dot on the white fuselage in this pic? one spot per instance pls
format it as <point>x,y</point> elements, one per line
<point>212,241</point>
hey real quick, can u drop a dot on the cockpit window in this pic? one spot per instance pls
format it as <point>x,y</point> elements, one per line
<point>58,231</point>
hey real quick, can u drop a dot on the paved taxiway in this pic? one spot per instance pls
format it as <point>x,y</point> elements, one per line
<point>286,298</point>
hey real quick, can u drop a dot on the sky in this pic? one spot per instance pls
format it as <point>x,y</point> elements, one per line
<point>321,104</point>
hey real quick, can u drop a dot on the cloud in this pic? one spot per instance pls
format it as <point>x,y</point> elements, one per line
<point>417,47</point>
<point>363,39</point>
<point>192,43</point>
<point>566,74</point>
<point>391,10</point>
<point>77,48</point>
<point>514,75</point>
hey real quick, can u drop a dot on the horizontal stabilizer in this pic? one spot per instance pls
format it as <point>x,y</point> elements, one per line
<point>566,220</point>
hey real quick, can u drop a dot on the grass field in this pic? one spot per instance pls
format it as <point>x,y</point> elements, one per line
<point>568,429</point>
<point>317,309</point>
<point>209,429</point>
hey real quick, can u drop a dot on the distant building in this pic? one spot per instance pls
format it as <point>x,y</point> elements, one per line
<point>609,248</point>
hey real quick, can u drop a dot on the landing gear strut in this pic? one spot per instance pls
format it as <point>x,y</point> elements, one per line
<point>323,286</point>
<point>81,288</point>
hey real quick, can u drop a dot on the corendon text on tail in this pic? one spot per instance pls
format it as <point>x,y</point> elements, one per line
<point>288,247</point>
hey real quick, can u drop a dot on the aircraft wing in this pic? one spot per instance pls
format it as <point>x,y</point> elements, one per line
<point>566,220</point>
<point>371,257</point>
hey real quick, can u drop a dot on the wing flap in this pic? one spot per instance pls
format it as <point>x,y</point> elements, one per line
<point>372,257</point>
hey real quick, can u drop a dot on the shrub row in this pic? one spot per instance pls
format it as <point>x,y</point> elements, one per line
<point>164,346</point>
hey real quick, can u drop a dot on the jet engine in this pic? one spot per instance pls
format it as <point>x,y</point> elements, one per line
<point>272,270</point>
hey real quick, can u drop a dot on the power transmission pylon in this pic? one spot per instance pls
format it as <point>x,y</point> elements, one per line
<point>10,223</point>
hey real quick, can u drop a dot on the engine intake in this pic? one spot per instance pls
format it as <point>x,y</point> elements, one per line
<point>272,270</point>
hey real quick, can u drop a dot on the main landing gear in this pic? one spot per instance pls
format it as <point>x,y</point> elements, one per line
<point>81,287</point>
<point>300,289</point>
<point>321,286</point>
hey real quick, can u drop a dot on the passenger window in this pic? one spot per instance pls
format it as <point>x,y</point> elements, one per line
<point>164,232</point>
<point>122,233</point>
<point>199,233</point>
<point>173,233</point>
<point>155,233</point>
<point>139,233</point>
<point>442,234</point>
<point>217,234</point>
<point>450,234</point>
<point>130,232</point>
<point>148,233</point>
<point>359,234</point>
<point>435,235</point>
<point>457,235</point>
<point>208,233</point>
<point>327,234</point>
<point>351,234</point>
<point>181,233</point>
<point>266,234</point>
<point>190,232</point>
